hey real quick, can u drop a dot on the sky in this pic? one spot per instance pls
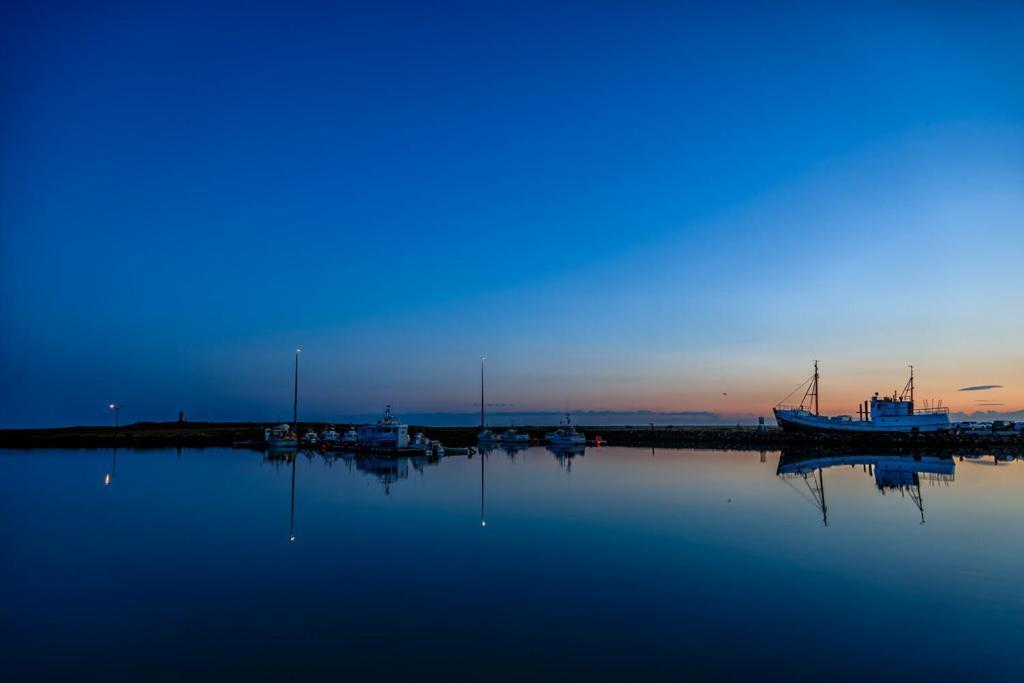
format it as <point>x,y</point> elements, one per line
<point>668,207</point>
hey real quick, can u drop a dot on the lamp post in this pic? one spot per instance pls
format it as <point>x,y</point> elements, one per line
<point>117,414</point>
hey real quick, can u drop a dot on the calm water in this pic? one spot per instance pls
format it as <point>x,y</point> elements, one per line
<point>622,563</point>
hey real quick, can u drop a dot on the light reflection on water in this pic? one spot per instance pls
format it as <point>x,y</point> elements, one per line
<point>609,563</point>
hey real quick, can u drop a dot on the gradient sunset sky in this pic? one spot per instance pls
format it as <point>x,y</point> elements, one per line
<point>624,206</point>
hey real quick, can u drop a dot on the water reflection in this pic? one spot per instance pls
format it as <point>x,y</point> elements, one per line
<point>902,474</point>
<point>564,453</point>
<point>689,542</point>
<point>291,521</point>
<point>109,477</point>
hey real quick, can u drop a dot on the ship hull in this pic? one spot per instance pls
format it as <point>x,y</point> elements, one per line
<point>804,422</point>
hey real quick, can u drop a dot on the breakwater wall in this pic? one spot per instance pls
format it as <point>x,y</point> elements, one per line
<point>214,434</point>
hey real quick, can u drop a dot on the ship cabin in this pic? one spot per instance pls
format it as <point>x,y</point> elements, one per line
<point>896,410</point>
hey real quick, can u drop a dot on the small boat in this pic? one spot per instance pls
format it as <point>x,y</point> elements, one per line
<point>329,436</point>
<point>487,436</point>
<point>350,439</point>
<point>566,435</point>
<point>310,438</point>
<point>280,437</point>
<point>458,451</point>
<point>514,436</point>
<point>881,415</point>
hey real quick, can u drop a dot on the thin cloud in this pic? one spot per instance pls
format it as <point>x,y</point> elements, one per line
<point>982,387</point>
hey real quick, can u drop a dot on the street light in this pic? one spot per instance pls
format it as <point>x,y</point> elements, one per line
<point>117,414</point>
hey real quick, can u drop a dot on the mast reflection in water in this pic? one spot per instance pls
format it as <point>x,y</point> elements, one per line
<point>899,473</point>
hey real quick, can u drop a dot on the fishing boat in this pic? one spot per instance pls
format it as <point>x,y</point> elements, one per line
<point>280,437</point>
<point>566,435</point>
<point>330,436</point>
<point>350,438</point>
<point>880,415</point>
<point>421,444</point>
<point>387,434</point>
<point>514,436</point>
<point>310,437</point>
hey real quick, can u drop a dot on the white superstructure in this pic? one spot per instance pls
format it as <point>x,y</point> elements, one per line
<point>387,434</point>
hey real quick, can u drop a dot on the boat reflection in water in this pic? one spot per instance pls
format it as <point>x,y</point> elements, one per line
<point>891,473</point>
<point>564,453</point>
<point>509,449</point>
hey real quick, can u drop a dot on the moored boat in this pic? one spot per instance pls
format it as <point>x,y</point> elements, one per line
<point>280,437</point>
<point>387,434</point>
<point>880,415</point>
<point>566,435</point>
<point>514,436</point>
<point>330,436</point>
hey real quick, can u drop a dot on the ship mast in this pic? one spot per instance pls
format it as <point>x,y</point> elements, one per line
<point>811,395</point>
<point>908,390</point>
<point>815,387</point>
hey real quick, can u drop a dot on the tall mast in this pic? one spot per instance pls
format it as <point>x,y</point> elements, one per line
<point>908,389</point>
<point>295,398</point>
<point>482,359</point>
<point>815,387</point>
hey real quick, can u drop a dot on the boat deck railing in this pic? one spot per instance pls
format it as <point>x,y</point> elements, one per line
<point>931,411</point>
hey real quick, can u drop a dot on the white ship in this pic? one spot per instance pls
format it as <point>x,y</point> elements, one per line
<point>387,434</point>
<point>880,415</point>
<point>566,435</point>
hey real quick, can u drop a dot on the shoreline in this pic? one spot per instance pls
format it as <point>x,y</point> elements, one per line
<point>227,434</point>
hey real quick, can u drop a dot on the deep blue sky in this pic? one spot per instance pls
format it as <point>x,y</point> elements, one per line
<point>623,206</point>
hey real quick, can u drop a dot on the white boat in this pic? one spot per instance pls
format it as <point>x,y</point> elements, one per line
<point>387,434</point>
<point>280,437</point>
<point>351,438</point>
<point>566,435</point>
<point>428,446</point>
<point>330,436</point>
<point>881,415</point>
<point>310,437</point>
<point>487,436</point>
<point>514,436</point>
